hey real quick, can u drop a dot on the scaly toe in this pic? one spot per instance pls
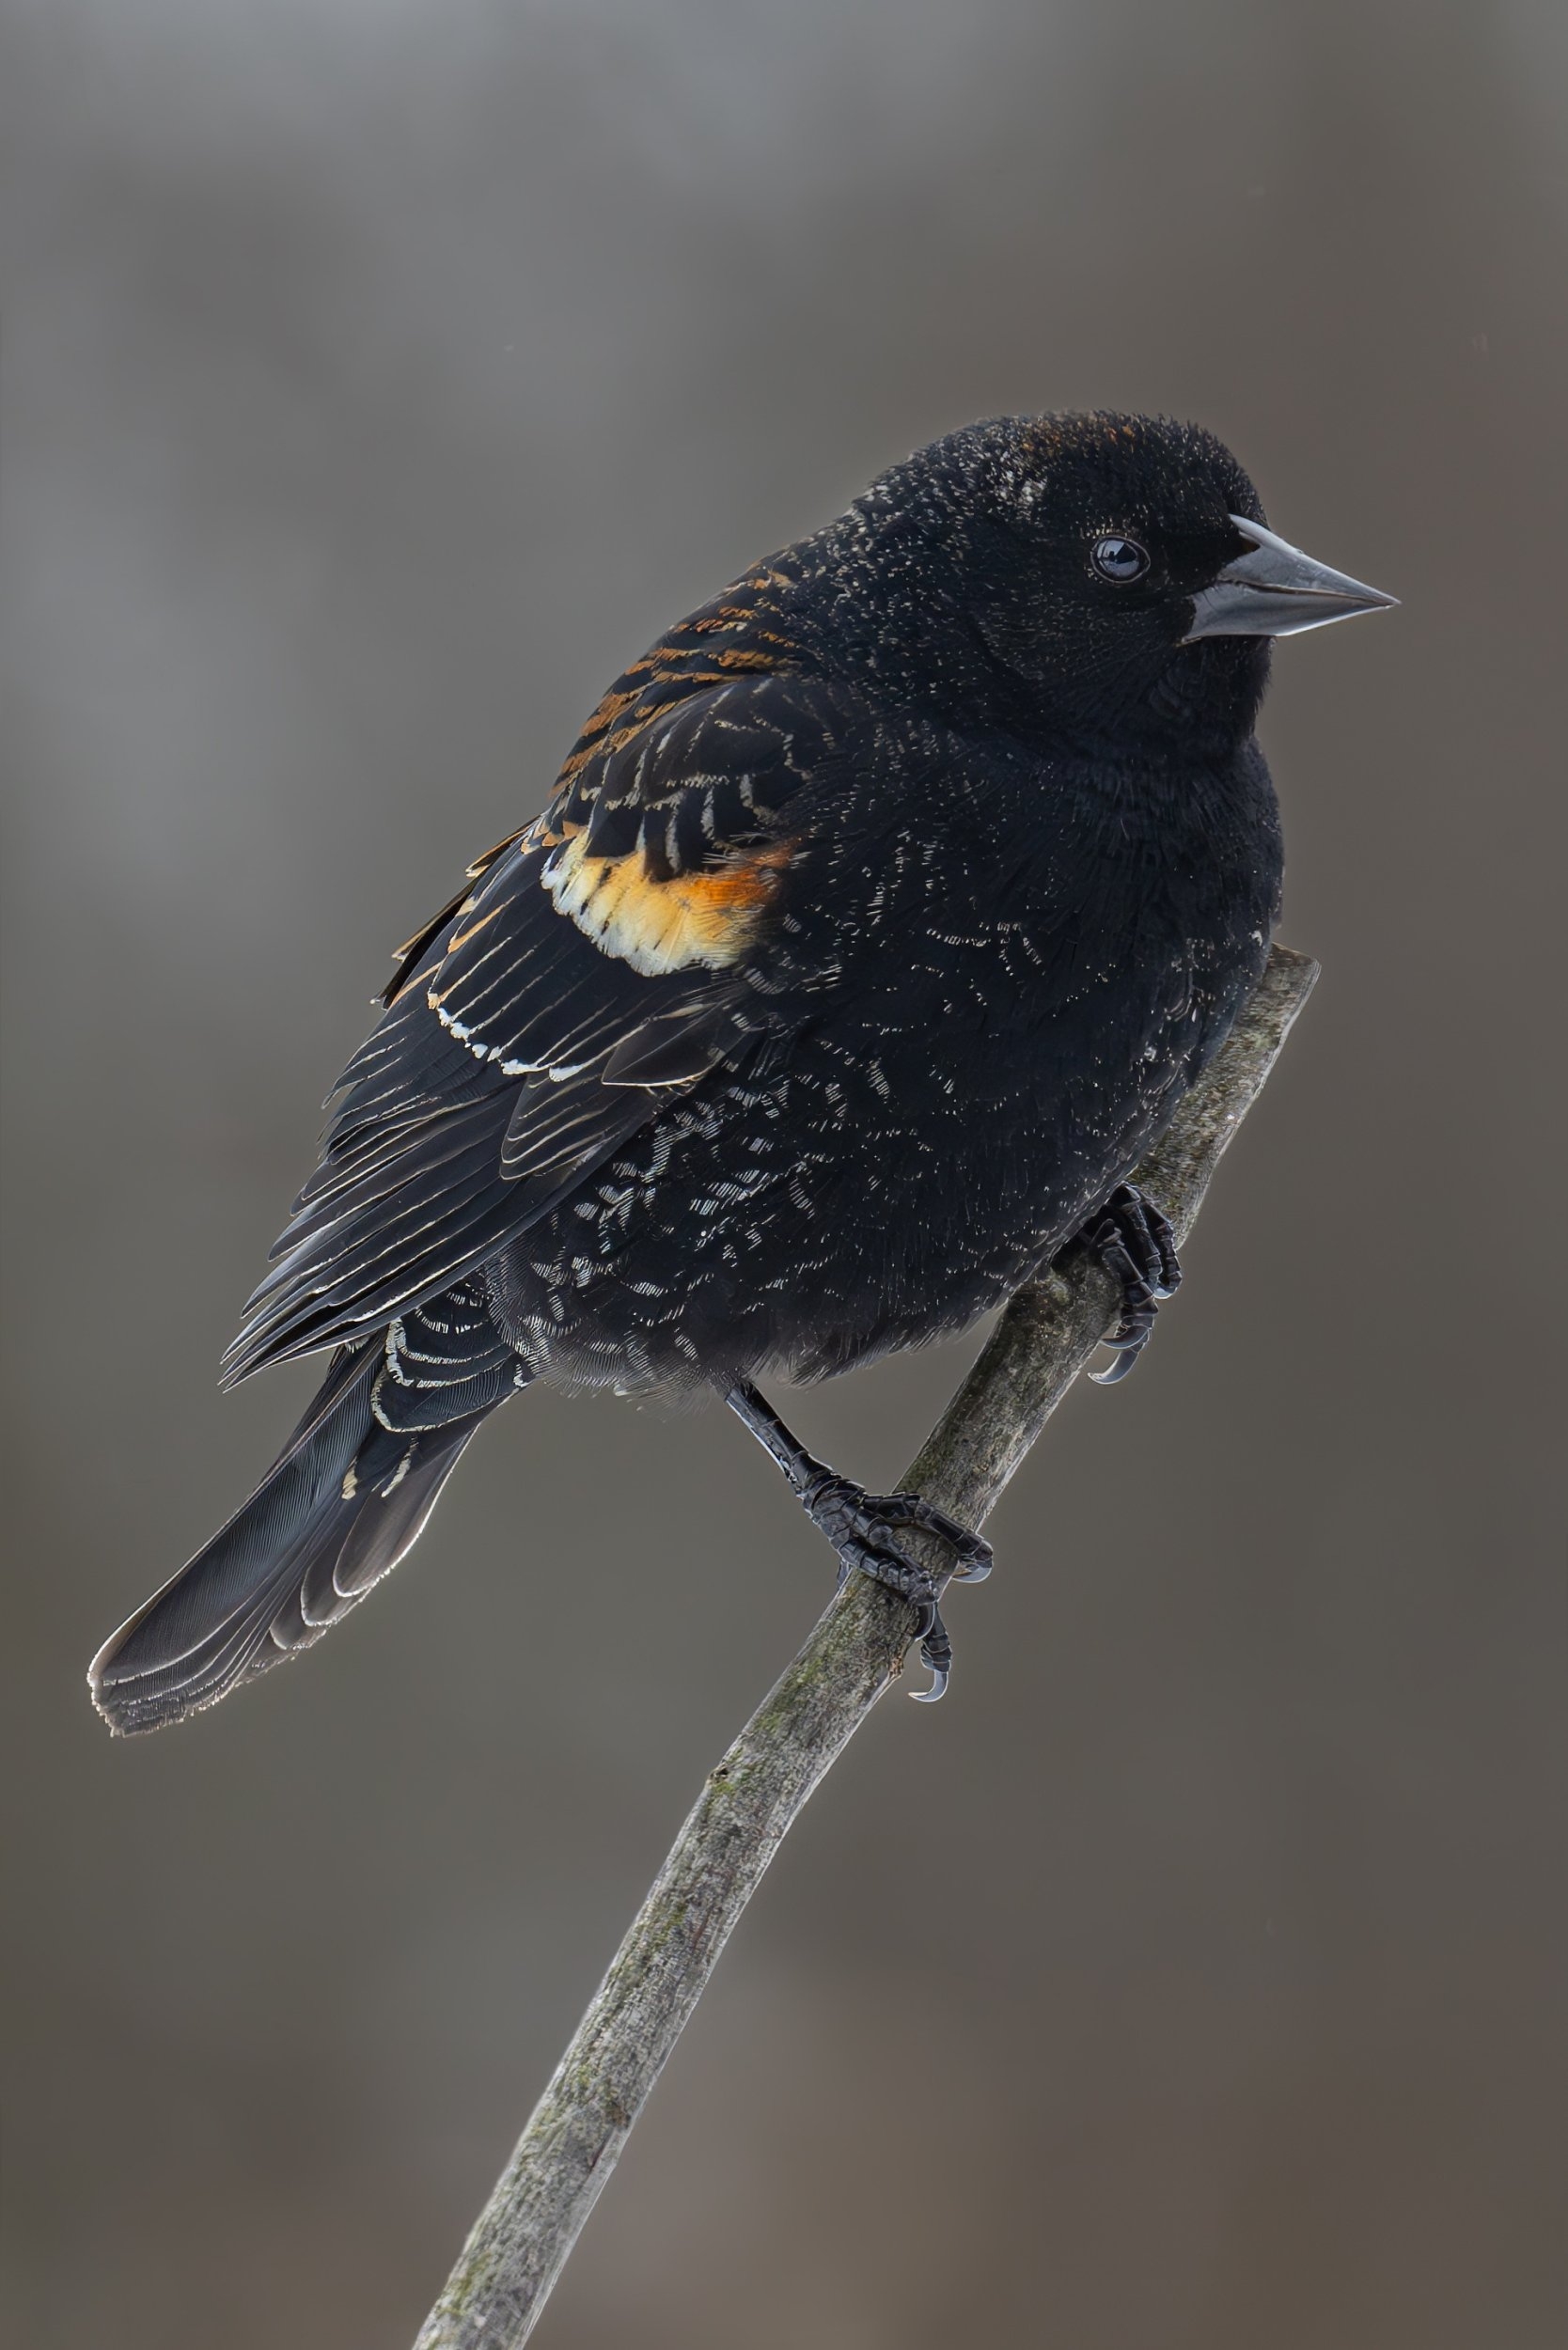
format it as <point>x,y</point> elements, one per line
<point>1135,1244</point>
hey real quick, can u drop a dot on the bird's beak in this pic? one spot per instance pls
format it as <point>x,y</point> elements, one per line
<point>1276,591</point>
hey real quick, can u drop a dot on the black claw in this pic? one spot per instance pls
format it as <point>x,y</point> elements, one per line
<point>1136,1247</point>
<point>972,1553</point>
<point>1114,1372</point>
<point>861,1525</point>
<point>936,1650</point>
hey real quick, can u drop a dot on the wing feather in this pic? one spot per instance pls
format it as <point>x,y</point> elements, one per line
<point>597,962</point>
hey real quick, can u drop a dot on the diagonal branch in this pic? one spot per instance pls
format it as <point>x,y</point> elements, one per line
<point>523,2238</point>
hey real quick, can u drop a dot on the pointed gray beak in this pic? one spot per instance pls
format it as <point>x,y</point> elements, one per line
<point>1276,591</point>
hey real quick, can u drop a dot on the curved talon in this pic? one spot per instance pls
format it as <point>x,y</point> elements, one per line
<point>936,1650</point>
<point>1138,1248</point>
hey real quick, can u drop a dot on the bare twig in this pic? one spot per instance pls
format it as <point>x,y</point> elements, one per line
<point>857,1651</point>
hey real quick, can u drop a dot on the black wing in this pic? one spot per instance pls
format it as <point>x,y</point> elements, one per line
<point>597,962</point>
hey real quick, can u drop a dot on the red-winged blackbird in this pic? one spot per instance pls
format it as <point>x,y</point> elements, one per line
<point>883,914</point>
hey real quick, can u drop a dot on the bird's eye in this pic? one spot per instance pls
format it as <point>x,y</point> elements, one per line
<point>1119,558</point>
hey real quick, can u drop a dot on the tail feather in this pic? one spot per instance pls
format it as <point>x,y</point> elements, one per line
<point>344,1500</point>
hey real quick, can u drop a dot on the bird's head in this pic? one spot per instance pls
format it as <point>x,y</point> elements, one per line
<point>1091,577</point>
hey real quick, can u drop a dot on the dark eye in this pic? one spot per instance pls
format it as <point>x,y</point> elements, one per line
<point>1119,558</point>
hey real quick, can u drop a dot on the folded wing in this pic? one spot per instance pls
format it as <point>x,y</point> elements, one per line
<point>600,960</point>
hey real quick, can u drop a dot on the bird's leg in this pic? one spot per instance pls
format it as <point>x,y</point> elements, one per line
<point>1136,1247</point>
<point>862,1528</point>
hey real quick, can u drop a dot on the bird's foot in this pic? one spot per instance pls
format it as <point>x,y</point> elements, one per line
<point>1136,1247</point>
<point>863,1530</point>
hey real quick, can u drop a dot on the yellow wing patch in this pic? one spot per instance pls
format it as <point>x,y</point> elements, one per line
<point>658,926</point>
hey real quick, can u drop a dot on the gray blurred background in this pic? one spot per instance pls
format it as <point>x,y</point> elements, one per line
<point>379,379</point>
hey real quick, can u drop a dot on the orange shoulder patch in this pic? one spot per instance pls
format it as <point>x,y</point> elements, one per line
<point>657,926</point>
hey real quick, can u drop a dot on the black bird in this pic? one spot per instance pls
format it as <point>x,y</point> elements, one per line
<point>883,914</point>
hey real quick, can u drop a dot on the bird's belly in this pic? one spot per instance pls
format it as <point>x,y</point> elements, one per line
<point>891,1185</point>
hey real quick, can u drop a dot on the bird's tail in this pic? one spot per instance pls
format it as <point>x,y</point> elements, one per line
<point>342,1502</point>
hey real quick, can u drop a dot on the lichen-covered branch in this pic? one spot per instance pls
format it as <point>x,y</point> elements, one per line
<point>751,1798</point>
